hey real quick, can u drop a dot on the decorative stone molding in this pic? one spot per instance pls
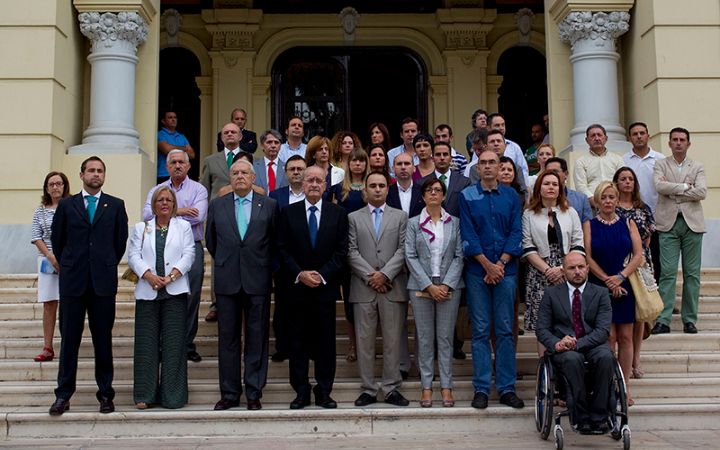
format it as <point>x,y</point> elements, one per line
<point>599,27</point>
<point>171,22</point>
<point>524,22</point>
<point>225,39</point>
<point>107,29</point>
<point>348,20</point>
<point>464,39</point>
<point>465,29</point>
<point>230,61</point>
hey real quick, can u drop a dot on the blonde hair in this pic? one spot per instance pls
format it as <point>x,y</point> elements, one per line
<point>602,187</point>
<point>155,196</point>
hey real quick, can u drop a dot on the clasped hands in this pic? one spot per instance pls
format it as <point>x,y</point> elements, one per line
<point>310,278</point>
<point>615,285</point>
<point>494,273</point>
<point>378,281</point>
<point>156,282</point>
<point>555,275</point>
<point>566,344</point>
<point>439,292</point>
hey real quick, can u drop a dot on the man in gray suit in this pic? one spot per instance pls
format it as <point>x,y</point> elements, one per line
<point>574,324</point>
<point>270,170</point>
<point>240,236</point>
<point>376,254</point>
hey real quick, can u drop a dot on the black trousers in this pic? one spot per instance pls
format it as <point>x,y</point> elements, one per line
<point>101,318</point>
<point>281,321</point>
<point>312,335</point>
<point>256,311</point>
<point>571,365</point>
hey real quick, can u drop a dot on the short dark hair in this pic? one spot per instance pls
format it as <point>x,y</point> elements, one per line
<point>92,158</point>
<point>477,113</point>
<point>494,115</point>
<point>443,126</point>
<point>422,137</point>
<point>294,158</point>
<point>439,143</point>
<point>595,125</point>
<point>243,154</point>
<point>492,132</point>
<point>410,120</point>
<point>479,135</point>
<point>557,159</point>
<point>382,174</point>
<point>638,124</point>
<point>46,199</point>
<point>430,181</point>
<point>681,130</point>
<point>294,117</point>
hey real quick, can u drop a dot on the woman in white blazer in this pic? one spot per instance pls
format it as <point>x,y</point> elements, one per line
<point>434,255</point>
<point>551,229</point>
<point>161,253</point>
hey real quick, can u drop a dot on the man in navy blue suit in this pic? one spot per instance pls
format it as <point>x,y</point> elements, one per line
<point>89,235</point>
<point>284,196</point>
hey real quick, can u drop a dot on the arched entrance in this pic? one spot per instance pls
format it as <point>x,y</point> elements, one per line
<point>179,92</point>
<point>335,88</point>
<point>523,92</point>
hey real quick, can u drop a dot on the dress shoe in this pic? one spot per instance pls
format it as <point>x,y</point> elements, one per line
<point>584,428</point>
<point>254,404</point>
<point>225,403</point>
<point>459,354</point>
<point>325,401</point>
<point>106,405</point>
<point>365,399</point>
<point>59,407</point>
<point>194,357</point>
<point>479,401</point>
<point>511,399</point>
<point>404,374</point>
<point>279,357</point>
<point>689,328</point>
<point>599,427</point>
<point>396,398</point>
<point>300,402</point>
<point>211,316</point>
<point>660,328</point>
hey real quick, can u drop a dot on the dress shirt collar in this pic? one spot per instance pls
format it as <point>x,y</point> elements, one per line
<point>268,161</point>
<point>425,217</point>
<point>604,153</point>
<point>652,154</point>
<point>234,152</point>
<point>447,176</point>
<point>248,197</point>
<point>401,189</point>
<point>571,288</point>
<point>318,205</point>
<point>172,185</point>
<point>86,193</point>
<point>372,208</point>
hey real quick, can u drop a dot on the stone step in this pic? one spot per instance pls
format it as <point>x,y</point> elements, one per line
<point>87,423</point>
<point>345,391</point>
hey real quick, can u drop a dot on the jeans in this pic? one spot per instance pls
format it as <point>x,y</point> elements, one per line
<point>492,304</point>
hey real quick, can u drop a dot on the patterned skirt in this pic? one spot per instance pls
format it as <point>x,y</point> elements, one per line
<point>535,284</point>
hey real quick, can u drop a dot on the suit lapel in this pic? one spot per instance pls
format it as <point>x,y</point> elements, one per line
<point>565,300</point>
<point>255,210</point>
<point>79,203</point>
<point>229,206</point>
<point>149,233</point>
<point>101,207</point>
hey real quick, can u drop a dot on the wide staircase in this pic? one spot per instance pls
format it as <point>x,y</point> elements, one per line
<point>680,390</point>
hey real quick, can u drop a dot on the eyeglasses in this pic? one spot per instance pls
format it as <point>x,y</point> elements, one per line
<point>314,180</point>
<point>56,184</point>
<point>434,190</point>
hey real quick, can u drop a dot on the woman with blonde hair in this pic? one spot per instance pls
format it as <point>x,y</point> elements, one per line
<point>544,152</point>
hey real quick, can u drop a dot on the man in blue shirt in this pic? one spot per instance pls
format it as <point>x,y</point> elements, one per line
<point>491,229</point>
<point>169,139</point>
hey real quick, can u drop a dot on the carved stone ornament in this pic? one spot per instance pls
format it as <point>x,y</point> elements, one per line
<point>171,21</point>
<point>599,27</point>
<point>230,61</point>
<point>349,20</point>
<point>233,40</point>
<point>464,39</point>
<point>107,29</point>
<point>524,22</point>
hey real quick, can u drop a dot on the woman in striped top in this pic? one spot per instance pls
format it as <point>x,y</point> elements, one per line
<point>55,187</point>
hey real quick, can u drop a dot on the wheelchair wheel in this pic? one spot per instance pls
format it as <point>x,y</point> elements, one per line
<point>626,437</point>
<point>544,388</point>
<point>618,407</point>
<point>558,437</point>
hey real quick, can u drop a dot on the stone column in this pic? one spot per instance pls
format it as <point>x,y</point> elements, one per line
<point>592,37</point>
<point>114,40</point>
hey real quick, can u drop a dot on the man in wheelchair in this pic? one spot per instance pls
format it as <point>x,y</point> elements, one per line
<point>574,324</point>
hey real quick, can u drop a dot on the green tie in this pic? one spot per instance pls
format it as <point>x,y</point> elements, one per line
<point>442,179</point>
<point>91,206</point>
<point>230,157</point>
<point>240,216</point>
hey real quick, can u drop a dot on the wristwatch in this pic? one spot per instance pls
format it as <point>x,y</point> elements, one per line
<point>172,277</point>
<point>503,262</point>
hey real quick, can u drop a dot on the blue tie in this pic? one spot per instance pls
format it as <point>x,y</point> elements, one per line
<point>313,225</point>
<point>91,206</point>
<point>240,216</point>
<point>378,221</point>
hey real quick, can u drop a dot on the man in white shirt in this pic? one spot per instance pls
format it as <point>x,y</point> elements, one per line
<point>409,129</point>
<point>598,165</point>
<point>405,194</point>
<point>512,149</point>
<point>294,145</point>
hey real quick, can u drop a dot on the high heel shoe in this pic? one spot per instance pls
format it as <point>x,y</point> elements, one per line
<point>447,398</point>
<point>47,354</point>
<point>426,402</point>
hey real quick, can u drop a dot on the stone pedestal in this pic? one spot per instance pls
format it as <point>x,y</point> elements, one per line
<point>114,38</point>
<point>592,36</point>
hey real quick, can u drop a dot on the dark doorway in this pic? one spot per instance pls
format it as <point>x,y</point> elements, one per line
<point>523,93</point>
<point>179,93</point>
<point>341,88</point>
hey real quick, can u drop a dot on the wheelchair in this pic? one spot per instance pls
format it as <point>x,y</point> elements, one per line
<point>550,386</point>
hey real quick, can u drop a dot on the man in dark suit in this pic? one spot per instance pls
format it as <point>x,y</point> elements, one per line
<point>313,239</point>
<point>454,181</point>
<point>284,196</point>
<point>405,194</point>
<point>240,236</point>
<point>89,235</point>
<point>269,170</point>
<point>574,324</point>
<point>248,143</point>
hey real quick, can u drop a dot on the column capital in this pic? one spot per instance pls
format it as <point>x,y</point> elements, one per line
<point>109,29</point>
<point>599,27</point>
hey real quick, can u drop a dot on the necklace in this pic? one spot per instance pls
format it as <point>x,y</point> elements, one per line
<point>163,230</point>
<point>356,186</point>
<point>608,222</point>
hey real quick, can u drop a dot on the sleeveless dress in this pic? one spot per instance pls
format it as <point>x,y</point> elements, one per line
<point>610,246</point>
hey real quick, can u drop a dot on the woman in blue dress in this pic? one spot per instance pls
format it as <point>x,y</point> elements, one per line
<point>608,241</point>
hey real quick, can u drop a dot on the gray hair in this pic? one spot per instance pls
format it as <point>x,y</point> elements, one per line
<point>275,133</point>
<point>175,151</point>
<point>244,161</point>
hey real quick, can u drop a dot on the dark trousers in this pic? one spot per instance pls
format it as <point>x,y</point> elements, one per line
<point>281,321</point>
<point>196,275</point>
<point>312,336</point>
<point>571,365</point>
<point>101,318</point>
<point>256,311</point>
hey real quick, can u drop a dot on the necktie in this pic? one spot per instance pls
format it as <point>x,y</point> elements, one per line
<point>230,157</point>
<point>378,221</point>
<point>240,216</point>
<point>313,225</point>
<point>442,179</point>
<point>91,206</point>
<point>271,177</point>
<point>576,315</point>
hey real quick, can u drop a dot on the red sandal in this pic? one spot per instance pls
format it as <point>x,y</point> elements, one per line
<point>47,355</point>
